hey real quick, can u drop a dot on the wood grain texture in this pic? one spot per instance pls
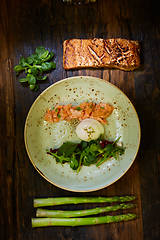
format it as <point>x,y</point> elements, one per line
<point>27,24</point>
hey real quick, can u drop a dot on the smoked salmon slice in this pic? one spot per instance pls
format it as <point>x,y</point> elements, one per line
<point>99,111</point>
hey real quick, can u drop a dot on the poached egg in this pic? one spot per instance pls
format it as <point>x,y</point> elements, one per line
<point>89,129</point>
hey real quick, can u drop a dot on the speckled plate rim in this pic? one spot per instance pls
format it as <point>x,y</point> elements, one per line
<point>75,78</point>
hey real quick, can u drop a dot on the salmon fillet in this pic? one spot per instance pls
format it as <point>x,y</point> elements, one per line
<point>96,53</point>
<point>85,110</point>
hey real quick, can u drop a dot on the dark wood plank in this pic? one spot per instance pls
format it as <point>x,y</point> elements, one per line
<point>25,25</point>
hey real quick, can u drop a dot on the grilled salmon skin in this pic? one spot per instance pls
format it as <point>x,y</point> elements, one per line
<point>96,53</point>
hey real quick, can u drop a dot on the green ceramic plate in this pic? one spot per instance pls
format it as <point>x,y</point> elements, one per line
<point>40,135</point>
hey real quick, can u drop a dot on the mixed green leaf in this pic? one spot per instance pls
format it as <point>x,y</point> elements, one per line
<point>35,66</point>
<point>86,153</point>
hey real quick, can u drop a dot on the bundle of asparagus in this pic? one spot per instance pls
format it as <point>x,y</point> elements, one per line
<point>76,218</point>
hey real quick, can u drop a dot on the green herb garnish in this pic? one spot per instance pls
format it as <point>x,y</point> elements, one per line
<point>78,108</point>
<point>87,153</point>
<point>35,66</point>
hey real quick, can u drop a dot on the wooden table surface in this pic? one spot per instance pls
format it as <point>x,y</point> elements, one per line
<point>26,24</point>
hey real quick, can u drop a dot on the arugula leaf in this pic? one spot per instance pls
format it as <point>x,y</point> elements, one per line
<point>61,158</point>
<point>111,150</point>
<point>86,153</point>
<point>84,144</point>
<point>89,159</point>
<point>74,162</point>
<point>68,148</point>
<point>95,148</point>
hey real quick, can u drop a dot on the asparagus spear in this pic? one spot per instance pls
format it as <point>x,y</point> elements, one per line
<point>44,222</point>
<point>41,202</point>
<point>79,213</point>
